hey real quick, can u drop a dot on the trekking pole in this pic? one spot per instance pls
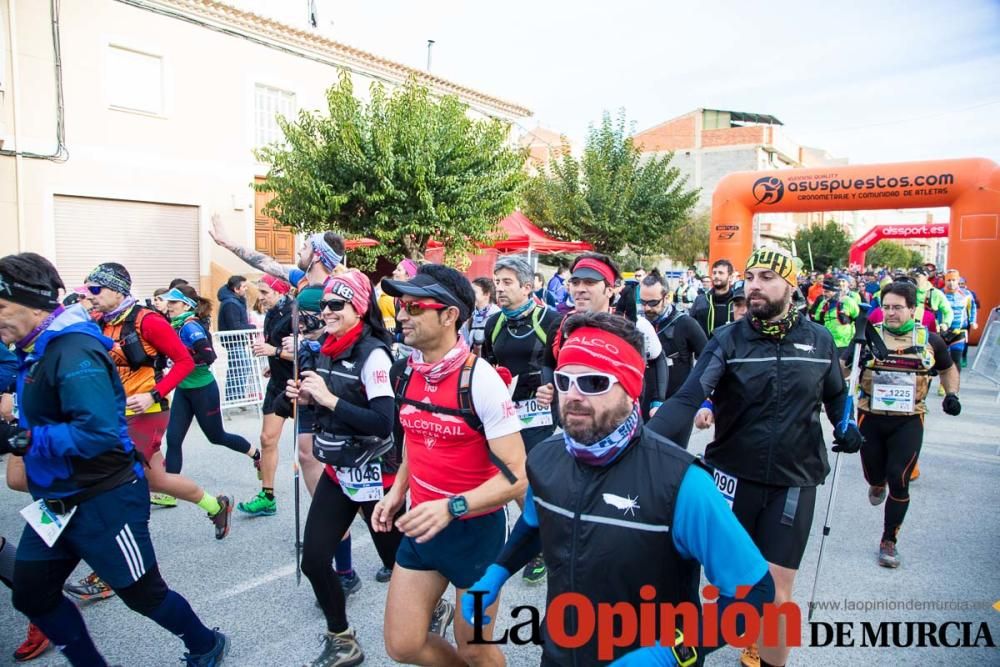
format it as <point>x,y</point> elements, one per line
<point>295,441</point>
<point>850,414</point>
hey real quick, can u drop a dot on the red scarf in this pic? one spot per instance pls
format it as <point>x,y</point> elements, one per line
<point>334,346</point>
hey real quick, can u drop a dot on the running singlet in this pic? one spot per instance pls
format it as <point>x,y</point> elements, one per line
<point>446,456</point>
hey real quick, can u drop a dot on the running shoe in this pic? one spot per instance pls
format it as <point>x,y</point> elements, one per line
<point>383,575</point>
<point>259,505</point>
<point>916,472</point>
<point>351,583</point>
<point>941,391</point>
<point>750,657</point>
<point>35,644</point>
<point>442,617</point>
<point>213,657</point>
<point>887,554</point>
<point>90,588</point>
<point>534,571</point>
<point>876,494</point>
<point>340,649</point>
<point>162,500</point>
<point>221,518</point>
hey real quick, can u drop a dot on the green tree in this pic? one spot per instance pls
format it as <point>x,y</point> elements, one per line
<point>402,168</point>
<point>893,255</point>
<point>830,245</point>
<point>688,242</point>
<point>613,196</point>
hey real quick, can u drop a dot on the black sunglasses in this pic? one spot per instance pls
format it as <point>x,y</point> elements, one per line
<point>335,305</point>
<point>94,289</point>
<point>652,303</point>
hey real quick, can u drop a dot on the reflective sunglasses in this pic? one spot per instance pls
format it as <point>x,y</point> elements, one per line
<point>333,305</point>
<point>415,308</point>
<point>94,289</point>
<point>588,384</point>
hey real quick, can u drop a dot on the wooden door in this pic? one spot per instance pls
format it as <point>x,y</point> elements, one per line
<point>270,237</point>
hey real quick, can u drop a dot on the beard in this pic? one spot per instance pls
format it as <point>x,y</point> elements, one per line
<point>720,284</point>
<point>767,310</point>
<point>304,263</point>
<point>587,432</point>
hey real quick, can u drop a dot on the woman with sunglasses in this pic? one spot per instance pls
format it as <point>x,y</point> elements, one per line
<point>348,383</point>
<point>197,396</point>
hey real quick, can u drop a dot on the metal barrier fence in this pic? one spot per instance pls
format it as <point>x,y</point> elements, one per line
<point>987,360</point>
<point>239,373</point>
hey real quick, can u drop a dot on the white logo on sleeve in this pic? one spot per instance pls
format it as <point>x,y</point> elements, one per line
<point>805,348</point>
<point>628,504</point>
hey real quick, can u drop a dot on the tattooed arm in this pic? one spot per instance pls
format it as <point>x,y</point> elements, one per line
<point>258,260</point>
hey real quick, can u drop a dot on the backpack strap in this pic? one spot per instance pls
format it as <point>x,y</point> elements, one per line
<point>536,325</point>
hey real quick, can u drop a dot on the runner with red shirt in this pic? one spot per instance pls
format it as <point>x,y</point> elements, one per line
<point>463,461</point>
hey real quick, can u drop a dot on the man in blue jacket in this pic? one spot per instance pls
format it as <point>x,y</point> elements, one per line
<point>233,316</point>
<point>92,499</point>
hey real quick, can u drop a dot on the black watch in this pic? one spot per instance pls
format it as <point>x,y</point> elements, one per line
<point>457,506</point>
<point>157,396</point>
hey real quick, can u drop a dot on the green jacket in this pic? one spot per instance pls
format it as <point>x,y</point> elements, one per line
<point>821,312</point>
<point>934,299</point>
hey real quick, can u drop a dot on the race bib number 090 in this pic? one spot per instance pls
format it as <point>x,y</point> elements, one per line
<point>726,485</point>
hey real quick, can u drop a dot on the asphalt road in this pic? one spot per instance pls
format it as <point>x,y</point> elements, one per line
<point>245,584</point>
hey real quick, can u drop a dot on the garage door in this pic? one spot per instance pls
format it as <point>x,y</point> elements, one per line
<point>155,242</point>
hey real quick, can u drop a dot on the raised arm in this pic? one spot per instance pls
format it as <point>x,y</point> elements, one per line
<point>256,259</point>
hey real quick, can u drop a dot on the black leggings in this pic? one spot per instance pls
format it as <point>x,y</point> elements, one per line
<point>330,515</point>
<point>201,404</point>
<point>888,455</point>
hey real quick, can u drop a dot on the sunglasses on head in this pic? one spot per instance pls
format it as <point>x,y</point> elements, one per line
<point>588,384</point>
<point>414,308</point>
<point>333,305</point>
<point>94,289</point>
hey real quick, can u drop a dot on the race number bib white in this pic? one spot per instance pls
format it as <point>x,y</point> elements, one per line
<point>894,392</point>
<point>362,484</point>
<point>726,485</point>
<point>45,522</point>
<point>532,414</point>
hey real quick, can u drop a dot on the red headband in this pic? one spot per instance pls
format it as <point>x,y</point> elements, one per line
<point>605,352</point>
<point>600,267</point>
<point>277,284</point>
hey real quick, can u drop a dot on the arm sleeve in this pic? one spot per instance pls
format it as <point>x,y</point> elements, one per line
<point>158,333</point>
<point>676,417</point>
<point>657,375</point>
<point>973,310</point>
<point>194,338</point>
<point>944,311</point>
<point>706,530</point>
<point>696,338</point>
<point>86,395</point>
<point>375,420</point>
<point>834,389</point>
<point>525,541</point>
<point>942,356</point>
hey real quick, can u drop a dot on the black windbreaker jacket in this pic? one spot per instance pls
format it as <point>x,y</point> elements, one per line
<point>766,395</point>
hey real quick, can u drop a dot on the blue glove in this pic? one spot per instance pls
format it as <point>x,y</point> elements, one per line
<point>491,582</point>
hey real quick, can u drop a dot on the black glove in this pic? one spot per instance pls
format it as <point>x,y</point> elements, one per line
<point>15,441</point>
<point>847,440</point>
<point>951,405</point>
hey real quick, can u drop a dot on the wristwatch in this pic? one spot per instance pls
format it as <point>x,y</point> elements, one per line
<point>457,506</point>
<point>157,396</point>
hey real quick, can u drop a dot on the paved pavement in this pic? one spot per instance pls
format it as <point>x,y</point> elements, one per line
<point>246,584</point>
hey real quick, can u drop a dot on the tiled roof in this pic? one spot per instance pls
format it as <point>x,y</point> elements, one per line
<point>364,61</point>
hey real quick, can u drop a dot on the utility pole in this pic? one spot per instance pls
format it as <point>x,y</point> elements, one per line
<point>430,45</point>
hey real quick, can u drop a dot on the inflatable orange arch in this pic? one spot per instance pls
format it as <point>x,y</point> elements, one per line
<point>970,187</point>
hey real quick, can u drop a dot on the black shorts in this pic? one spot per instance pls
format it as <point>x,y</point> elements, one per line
<point>272,392</point>
<point>778,519</point>
<point>307,420</point>
<point>461,552</point>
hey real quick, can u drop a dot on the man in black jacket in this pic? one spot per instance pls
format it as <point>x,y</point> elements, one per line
<point>767,374</point>
<point>606,494</point>
<point>681,337</point>
<point>233,316</point>
<point>714,308</point>
<point>90,491</point>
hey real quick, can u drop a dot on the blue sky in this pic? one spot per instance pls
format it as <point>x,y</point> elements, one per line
<point>870,81</point>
